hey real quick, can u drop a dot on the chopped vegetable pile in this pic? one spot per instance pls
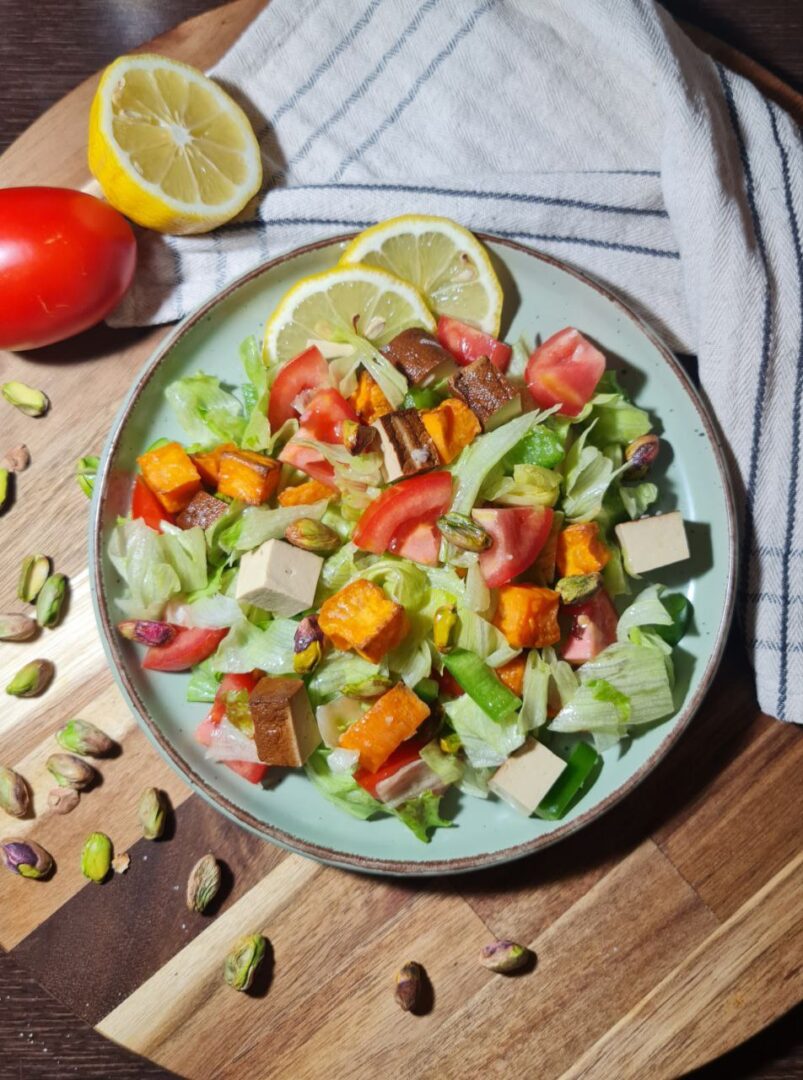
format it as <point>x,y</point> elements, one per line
<point>406,558</point>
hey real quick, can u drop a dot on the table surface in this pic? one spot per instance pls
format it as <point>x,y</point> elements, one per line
<point>34,1027</point>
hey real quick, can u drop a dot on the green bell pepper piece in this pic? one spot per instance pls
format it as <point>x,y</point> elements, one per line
<point>481,684</point>
<point>538,447</point>
<point>582,762</point>
<point>427,690</point>
<point>421,398</point>
<point>681,611</point>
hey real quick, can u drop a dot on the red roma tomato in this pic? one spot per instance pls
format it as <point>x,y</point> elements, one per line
<point>189,647</point>
<point>321,420</point>
<point>519,533</point>
<point>593,628</point>
<point>66,259</point>
<point>420,542</point>
<point>421,498</point>
<point>564,371</point>
<point>252,771</point>
<point>406,753</point>
<point>303,372</point>
<point>467,343</point>
<point>146,507</point>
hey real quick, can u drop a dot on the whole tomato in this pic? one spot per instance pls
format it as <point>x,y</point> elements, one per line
<point>66,259</point>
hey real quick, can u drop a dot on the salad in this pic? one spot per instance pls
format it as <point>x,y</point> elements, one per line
<point>406,556</point>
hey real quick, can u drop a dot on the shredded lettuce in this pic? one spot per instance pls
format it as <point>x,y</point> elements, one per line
<point>364,470</point>
<point>215,611</point>
<point>260,523</point>
<point>156,567</point>
<point>206,411</point>
<point>222,535</point>
<point>646,610</point>
<point>340,789</point>
<point>203,684</point>
<point>483,638</point>
<point>422,814</point>
<point>475,780</point>
<point>337,670</point>
<point>533,714</point>
<point>485,741</point>
<point>637,498</point>
<point>564,680</point>
<point>587,474</point>
<point>530,485</point>
<point>246,647</point>
<point>404,581</point>
<point>339,569</point>
<point>477,594</point>
<point>618,420</point>
<point>256,435</point>
<point>447,766</point>
<point>412,660</point>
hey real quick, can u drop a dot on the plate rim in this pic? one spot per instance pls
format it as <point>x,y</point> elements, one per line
<point>353,861</point>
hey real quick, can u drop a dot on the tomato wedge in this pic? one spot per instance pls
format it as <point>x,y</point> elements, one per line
<point>146,507</point>
<point>252,771</point>
<point>229,683</point>
<point>321,420</point>
<point>419,499</point>
<point>420,542</point>
<point>304,372</point>
<point>518,533</point>
<point>189,647</point>
<point>403,755</point>
<point>564,371</point>
<point>467,343</point>
<point>593,628</point>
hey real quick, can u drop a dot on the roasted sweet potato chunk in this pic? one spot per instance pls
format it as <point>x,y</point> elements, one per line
<point>171,475</point>
<point>528,616</point>
<point>396,716</point>
<point>581,550</point>
<point>362,617</point>
<point>252,478</point>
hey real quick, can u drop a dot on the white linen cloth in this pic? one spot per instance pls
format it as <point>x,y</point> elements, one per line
<point>593,130</point>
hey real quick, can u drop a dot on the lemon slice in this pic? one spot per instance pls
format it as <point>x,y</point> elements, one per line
<point>445,262</point>
<point>170,148</point>
<point>356,309</point>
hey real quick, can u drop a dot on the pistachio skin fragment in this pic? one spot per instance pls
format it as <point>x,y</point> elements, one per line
<point>242,962</point>
<point>27,399</point>
<point>50,601</point>
<point>63,800</point>
<point>5,487</point>
<point>307,645</point>
<point>409,980</point>
<point>81,737</point>
<point>152,811</point>
<point>463,532</point>
<point>203,883</point>
<point>578,588</point>
<point>372,687</point>
<point>18,459</point>
<point>31,680</point>
<point>16,627</point>
<point>120,863</point>
<point>26,858</point>
<point>504,956</point>
<point>147,632</point>
<point>311,535</point>
<point>71,771</point>
<point>445,629</point>
<point>34,572</point>
<point>85,471</point>
<point>96,857</point>
<point>640,456</point>
<point>15,797</point>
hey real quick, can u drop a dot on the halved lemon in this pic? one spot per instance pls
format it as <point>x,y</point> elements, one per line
<point>446,263</point>
<point>170,149</point>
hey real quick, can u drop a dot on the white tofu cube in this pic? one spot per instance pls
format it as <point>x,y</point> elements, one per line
<point>650,542</point>
<point>279,578</point>
<point>527,776</point>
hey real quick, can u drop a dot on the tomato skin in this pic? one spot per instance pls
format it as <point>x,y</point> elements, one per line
<point>321,420</point>
<point>419,499</point>
<point>564,371</point>
<point>189,647</point>
<point>403,755</point>
<point>66,259</point>
<point>467,343</point>
<point>303,372</point>
<point>593,628</point>
<point>252,771</point>
<point>519,534</point>
<point>247,681</point>
<point>146,507</point>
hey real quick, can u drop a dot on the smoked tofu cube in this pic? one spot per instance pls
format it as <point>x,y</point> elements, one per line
<point>650,542</point>
<point>419,357</point>
<point>362,617</point>
<point>526,776</point>
<point>170,474</point>
<point>487,392</point>
<point>285,732</point>
<point>405,443</point>
<point>278,577</point>
<point>203,509</point>
<point>247,476</point>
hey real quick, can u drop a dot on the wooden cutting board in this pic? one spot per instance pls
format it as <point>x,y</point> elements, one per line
<point>666,933</point>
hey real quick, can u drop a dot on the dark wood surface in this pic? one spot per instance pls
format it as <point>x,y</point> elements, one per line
<point>45,49</point>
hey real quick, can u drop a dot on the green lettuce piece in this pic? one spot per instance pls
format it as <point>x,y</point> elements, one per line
<point>206,411</point>
<point>540,446</point>
<point>156,567</point>
<point>564,679</point>
<point>645,610</point>
<point>637,498</point>
<point>256,435</point>
<point>404,581</point>
<point>340,789</point>
<point>483,638</point>
<point>261,523</point>
<point>535,694</point>
<point>203,684</point>
<point>587,475</point>
<point>617,421</point>
<point>411,660</point>
<point>246,647</point>
<point>485,741</point>
<point>447,766</point>
<point>222,535</point>
<point>339,669</point>
<point>530,485</point>
<point>422,814</point>
<point>475,780</point>
<point>613,573</point>
<point>602,690</point>
<point>338,570</point>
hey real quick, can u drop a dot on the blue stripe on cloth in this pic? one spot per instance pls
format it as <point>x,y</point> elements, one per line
<point>758,404</point>
<point>359,92</point>
<point>791,497</point>
<point>504,196</point>
<point>327,62</point>
<point>774,646</point>
<point>779,552</point>
<point>412,94</point>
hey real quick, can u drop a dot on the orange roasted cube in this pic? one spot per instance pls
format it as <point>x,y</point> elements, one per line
<point>451,426</point>
<point>311,491</point>
<point>528,616</point>
<point>362,617</point>
<point>245,475</point>
<point>581,550</point>
<point>170,474</point>
<point>394,717</point>
<point>208,463</point>
<point>368,400</point>
<point>512,673</point>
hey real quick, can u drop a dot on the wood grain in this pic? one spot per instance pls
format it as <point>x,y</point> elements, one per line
<point>671,918</point>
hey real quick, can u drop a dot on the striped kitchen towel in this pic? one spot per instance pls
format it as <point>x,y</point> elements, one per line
<point>597,133</point>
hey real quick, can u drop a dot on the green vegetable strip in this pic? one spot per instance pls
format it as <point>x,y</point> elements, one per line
<point>481,684</point>
<point>539,447</point>
<point>427,690</point>
<point>421,398</point>
<point>582,762</point>
<point>681,611</point>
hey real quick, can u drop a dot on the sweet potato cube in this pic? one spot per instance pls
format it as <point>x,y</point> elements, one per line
<point>362,617</point>
<point>311,491</point>
<point>170,474</point>
<point>451,426</point>
<point>528,616</point>
<point>581,550</point>
<point>208,463</point>
<point>368,400</point>
<point>512,674</point>
<point>203,509</point>
<point>250,477</point>
<point>285,732</point>
<point>396,716</point>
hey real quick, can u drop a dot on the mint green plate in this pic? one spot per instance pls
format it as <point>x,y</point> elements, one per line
<point>543,296</point>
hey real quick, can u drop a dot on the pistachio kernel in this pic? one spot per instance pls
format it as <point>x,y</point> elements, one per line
<point>243,960</point>
<point>26,858</point>
<point>640,456</point>
<point>311,535</point>
<point>578,588</point>
<point>16,627</point>
<point>71,771</point>
<point>28,400</point>
<point>34,572</point>
<point>50,601</point>
<point>15,796</point>
<point>409,980</point>
<point>96,857</point>
<point>463,532</point>
<point>504,956</point>
<point>203,883</point>
<point>32,680</point>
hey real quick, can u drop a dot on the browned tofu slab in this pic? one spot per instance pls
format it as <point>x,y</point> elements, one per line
<point>203,509</point>
<point>418,356</point>
<point>285,731</point>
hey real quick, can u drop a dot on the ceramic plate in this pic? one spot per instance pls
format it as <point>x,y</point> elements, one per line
<point>543,296</point>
